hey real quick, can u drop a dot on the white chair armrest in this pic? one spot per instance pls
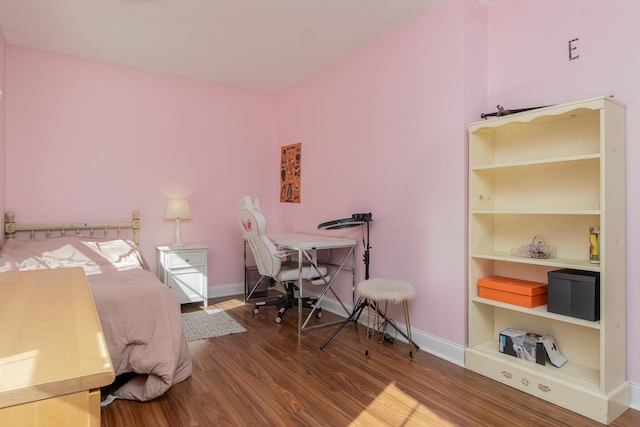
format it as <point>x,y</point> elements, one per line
<point>286,254</point>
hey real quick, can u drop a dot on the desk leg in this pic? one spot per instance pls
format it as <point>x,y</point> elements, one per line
<point>300,292</point>
<point>329,284</point>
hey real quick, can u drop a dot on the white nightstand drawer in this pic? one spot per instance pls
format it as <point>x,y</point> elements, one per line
<point>189,284</point>
<point>184,259</point>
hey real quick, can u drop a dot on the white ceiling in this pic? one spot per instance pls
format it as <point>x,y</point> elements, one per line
<point>258,44</point>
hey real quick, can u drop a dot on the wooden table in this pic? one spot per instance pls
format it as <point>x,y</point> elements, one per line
<point>53,355</point>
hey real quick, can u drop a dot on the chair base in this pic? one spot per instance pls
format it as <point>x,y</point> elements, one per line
<point>287,301</point>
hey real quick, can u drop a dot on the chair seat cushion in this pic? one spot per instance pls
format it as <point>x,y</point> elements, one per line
<point>386,290</point>
<point>308,273</point>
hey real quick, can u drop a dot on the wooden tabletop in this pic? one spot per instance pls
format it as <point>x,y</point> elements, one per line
<point>51,340</point>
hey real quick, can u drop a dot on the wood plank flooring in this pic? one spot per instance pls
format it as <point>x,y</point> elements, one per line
<point>270,377</point>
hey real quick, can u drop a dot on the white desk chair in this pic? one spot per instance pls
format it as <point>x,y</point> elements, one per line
<point>269,261</point>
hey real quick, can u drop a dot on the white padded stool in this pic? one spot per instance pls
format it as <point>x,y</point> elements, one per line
<point>394,290</point>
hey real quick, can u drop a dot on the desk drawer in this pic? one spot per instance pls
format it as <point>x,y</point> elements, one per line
<point>184,259</point>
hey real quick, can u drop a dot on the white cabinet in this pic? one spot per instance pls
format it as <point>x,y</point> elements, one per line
<point>184,270</point>
<point>552,172</point>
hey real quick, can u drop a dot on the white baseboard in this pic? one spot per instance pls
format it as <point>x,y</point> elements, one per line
<point>437,346</point>
<point>225,290</point>
<point>635,396</point>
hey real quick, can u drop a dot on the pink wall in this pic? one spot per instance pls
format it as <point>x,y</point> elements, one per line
<point>90,141</point>
<point>529,66</point>
<point>383,131</point>
<point>3,97</point>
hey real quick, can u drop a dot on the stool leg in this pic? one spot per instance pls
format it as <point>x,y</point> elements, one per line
<point>405,304</point>
<point>382,327</point>
<point>366,351</point>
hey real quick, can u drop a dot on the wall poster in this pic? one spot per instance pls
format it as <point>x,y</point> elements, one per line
<point>290,173</point>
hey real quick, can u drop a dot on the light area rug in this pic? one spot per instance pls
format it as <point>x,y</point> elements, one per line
<point>202,324</point>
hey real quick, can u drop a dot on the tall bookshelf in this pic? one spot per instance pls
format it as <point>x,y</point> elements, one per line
<point>552,172</point>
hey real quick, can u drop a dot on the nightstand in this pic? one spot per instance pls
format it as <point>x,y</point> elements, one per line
<point>184,270</point>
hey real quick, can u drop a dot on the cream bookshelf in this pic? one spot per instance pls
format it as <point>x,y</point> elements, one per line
<point>552,172</point>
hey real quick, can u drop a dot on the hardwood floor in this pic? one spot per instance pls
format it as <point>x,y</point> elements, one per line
<point>270,377</point>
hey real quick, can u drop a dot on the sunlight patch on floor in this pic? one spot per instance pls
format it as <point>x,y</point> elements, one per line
<point>393,407</point>
<point>227,305</point>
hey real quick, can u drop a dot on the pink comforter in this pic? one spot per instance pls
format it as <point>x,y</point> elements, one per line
<point>140,316</point>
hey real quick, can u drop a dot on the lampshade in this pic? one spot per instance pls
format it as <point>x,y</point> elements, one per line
<point>177,208</point>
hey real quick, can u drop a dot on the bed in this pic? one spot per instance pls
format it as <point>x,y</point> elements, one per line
<point>140,316</point>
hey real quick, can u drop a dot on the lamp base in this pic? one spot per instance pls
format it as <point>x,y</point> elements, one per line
<point>178,242</point>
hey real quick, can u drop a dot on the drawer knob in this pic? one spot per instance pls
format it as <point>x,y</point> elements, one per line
<point>187,260</point>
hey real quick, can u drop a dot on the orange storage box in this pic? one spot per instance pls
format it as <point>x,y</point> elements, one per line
<point>513,291</point>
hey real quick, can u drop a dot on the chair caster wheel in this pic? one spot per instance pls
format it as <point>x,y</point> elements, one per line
<point>256,310</point>
<point>278,319</point>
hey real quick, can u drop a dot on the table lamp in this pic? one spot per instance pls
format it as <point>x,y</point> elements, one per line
<point>177,209</point>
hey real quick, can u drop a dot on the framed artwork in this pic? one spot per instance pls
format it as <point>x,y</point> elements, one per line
<point>290,173</point>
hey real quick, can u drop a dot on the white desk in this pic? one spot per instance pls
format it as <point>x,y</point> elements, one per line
<point>307,246</point>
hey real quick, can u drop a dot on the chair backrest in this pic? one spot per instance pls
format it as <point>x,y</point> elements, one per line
<point>254,226</point>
